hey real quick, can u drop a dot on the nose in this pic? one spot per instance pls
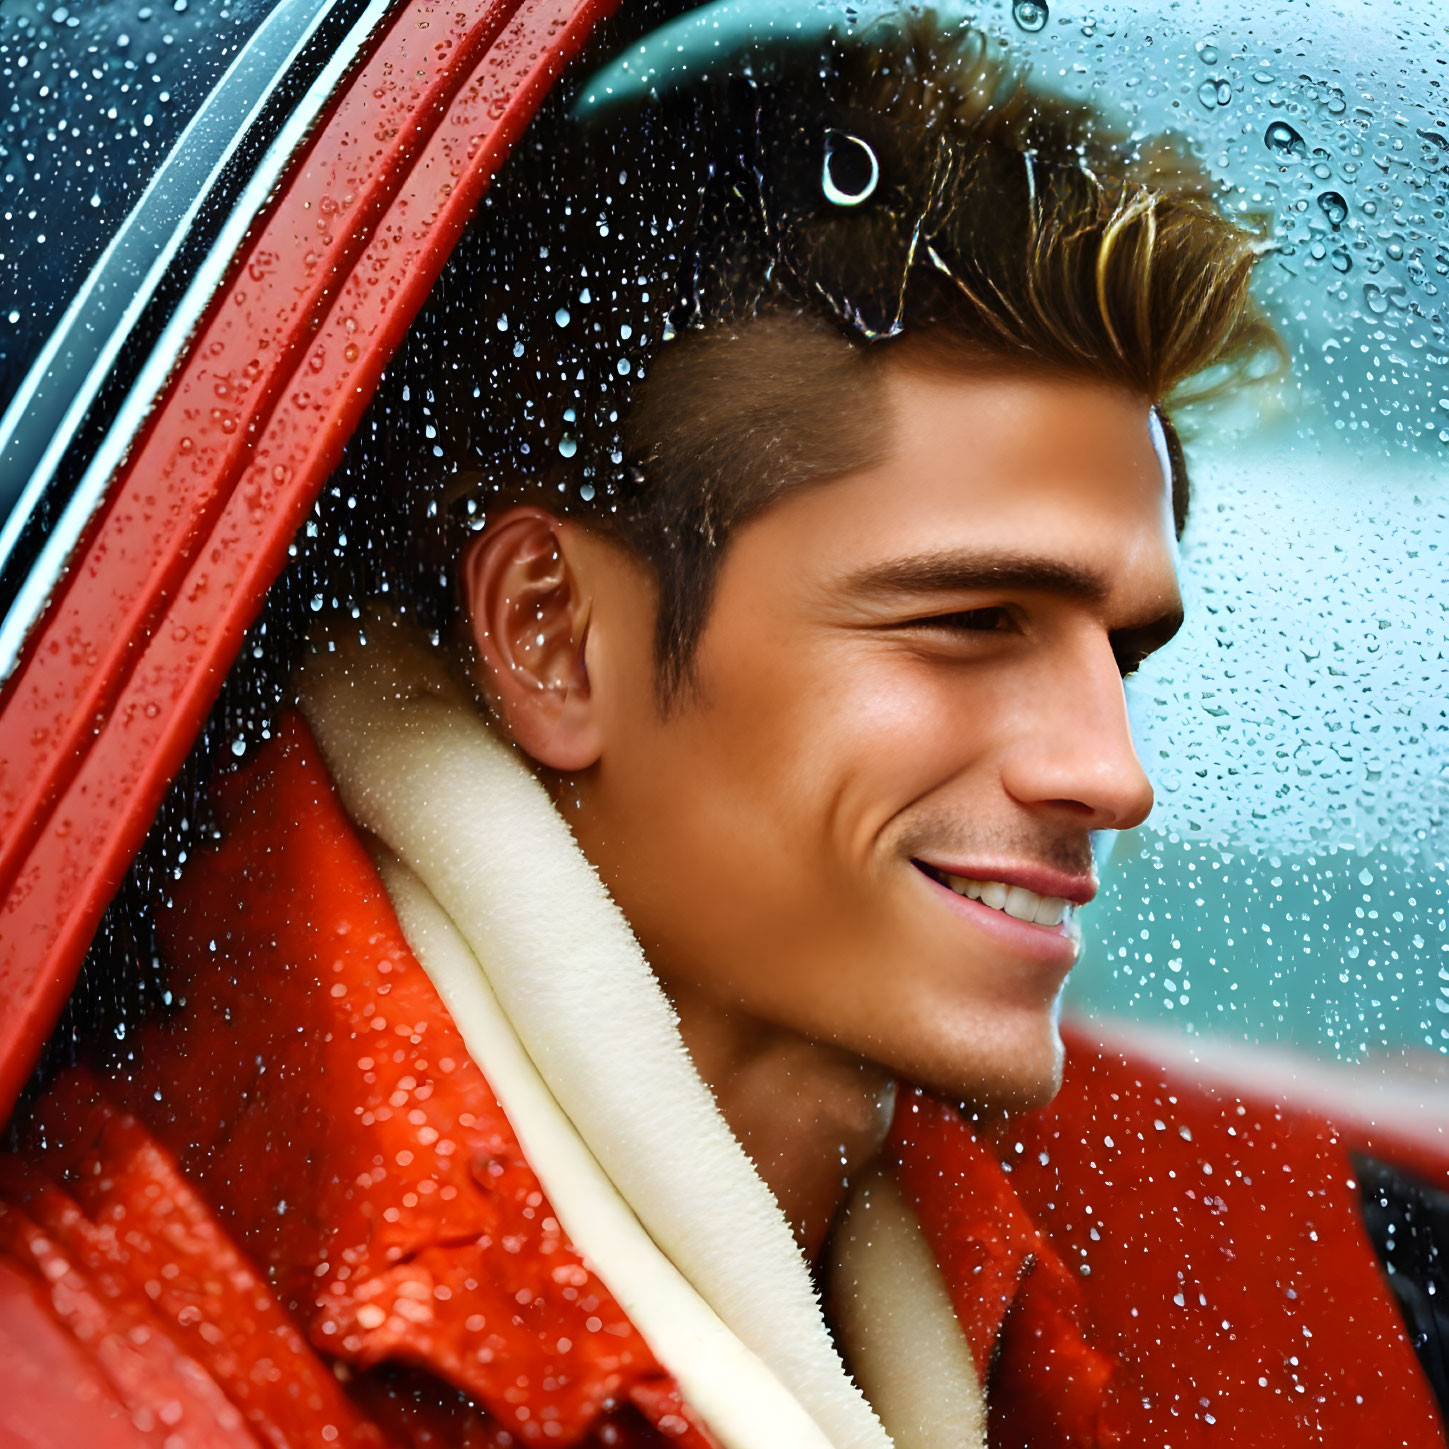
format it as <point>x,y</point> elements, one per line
<point>1073,750</point>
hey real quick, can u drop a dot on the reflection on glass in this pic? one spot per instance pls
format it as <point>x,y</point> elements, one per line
<point>95,95</point>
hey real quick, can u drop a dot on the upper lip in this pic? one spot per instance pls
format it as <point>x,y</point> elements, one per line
<point>1043,879</point>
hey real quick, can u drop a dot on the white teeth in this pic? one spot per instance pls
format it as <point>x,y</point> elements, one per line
<point>993,894</point>
<point>1021,903</point>
<point>1050,910</point>
<point>1015,901</point>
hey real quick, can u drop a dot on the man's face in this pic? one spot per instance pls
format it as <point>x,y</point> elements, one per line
<point>910,679</point>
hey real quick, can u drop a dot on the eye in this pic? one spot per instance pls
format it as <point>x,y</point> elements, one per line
<point>992,620</point>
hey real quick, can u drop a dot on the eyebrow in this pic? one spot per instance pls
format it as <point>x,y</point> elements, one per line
<point>968,572</point>
<point>958,572</point>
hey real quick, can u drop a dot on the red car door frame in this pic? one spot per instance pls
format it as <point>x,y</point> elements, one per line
<point>121,670</point>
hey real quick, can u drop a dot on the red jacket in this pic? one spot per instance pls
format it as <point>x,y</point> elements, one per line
<point>302,1219</point>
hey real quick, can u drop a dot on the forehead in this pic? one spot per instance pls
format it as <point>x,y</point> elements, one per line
<point>1010,462</point>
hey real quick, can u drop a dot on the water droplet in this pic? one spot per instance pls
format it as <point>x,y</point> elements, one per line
<point>1030,14</point>
<point>1334,207</point>
<point>1374,299</point>
<point>1341,260</point>
<point>562,317</point>
<point>567,447</point>
<point>850,172</point>
<point>1214,93</point>
<point>1281,137</point>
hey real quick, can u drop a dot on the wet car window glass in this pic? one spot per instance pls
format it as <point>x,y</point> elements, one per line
<point>1287,894</point>
<point>1290,888</point>
<point>94,95</point>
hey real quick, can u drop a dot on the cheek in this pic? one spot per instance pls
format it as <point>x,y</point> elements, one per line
<point>800,724</point>
<point>893,728</point>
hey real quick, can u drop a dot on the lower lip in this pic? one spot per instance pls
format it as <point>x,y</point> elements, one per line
<point>1045,945</point>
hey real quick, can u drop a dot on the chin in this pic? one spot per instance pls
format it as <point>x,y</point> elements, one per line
<point>1002,1069</point>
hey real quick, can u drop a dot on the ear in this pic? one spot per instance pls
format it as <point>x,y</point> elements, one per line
<point>529,617</point>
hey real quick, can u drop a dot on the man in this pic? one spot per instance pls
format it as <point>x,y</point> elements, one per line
<point>803,495</point>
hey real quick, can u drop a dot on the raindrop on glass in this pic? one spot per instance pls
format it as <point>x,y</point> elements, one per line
<point>1282,138</point>
<point>850,171</point>
<point>1334,207</point>
<point>1214,93</point>
<point>1030,14</point>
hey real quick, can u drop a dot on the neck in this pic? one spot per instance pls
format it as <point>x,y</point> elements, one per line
<point>810,1115</point>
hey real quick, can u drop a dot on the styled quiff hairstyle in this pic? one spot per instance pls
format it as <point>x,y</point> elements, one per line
<point>671,312</point>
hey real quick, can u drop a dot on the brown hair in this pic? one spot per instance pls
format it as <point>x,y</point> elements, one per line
<point>1009,229</point>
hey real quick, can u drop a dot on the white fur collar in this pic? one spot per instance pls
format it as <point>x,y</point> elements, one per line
<point>556,1002</point>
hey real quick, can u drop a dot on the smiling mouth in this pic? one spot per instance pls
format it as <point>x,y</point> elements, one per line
<point>1011,900</point>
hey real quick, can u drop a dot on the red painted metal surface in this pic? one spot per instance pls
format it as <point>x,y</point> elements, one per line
<point>120,675</point>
